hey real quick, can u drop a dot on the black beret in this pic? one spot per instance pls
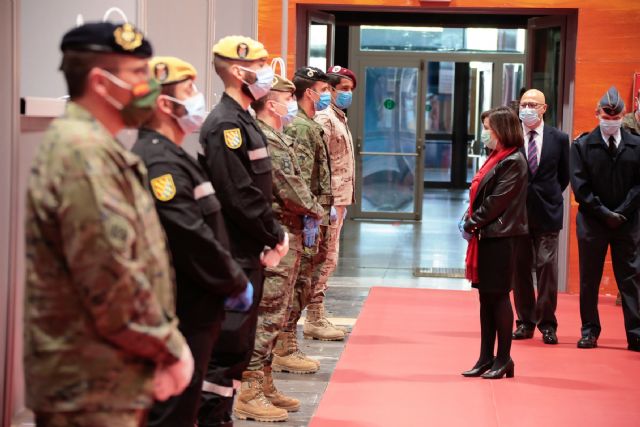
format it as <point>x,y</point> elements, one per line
<point>311,73</point>
<point>107,37</point>
<point>611,103</point>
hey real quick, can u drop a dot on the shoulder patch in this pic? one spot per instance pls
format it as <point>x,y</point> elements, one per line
<point>163,187</point>
<point>233,138</point>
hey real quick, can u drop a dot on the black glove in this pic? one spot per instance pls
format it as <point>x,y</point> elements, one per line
<point>614,220</point>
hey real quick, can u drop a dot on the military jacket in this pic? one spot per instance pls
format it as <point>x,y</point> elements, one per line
<point>292,197</point>
<point>340,145</point>
<point>602,182</point>
<point>630,123</point>
<point>238,164</point>
<point>313,156</point>
<point>192,219</point>
<point>99,298</point>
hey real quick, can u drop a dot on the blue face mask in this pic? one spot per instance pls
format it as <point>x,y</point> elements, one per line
<point>292,111</point>
<point>529,116</point>
<point>343,99</point>
<point>323,102</point>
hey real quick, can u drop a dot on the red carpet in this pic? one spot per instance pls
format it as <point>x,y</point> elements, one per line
<point>402,364</point>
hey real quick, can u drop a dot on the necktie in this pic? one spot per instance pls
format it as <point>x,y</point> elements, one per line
<point>532,154</point>
<point>612,146</point>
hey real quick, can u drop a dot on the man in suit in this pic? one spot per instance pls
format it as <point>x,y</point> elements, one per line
<point>547,153</point>
<point>605,178</point>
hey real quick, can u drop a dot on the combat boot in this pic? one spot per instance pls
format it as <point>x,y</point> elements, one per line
<point>318,327</point>
<point>287,357</point>
<point>275,397</point>
<point>251,402</point>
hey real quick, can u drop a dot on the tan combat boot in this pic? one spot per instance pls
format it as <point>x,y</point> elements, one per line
<point>275,397</point>
<point>251,402</point>
<point>287,357</point>
<point>317,327</point>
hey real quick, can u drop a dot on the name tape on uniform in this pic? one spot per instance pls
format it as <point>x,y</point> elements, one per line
<point>203,190</point>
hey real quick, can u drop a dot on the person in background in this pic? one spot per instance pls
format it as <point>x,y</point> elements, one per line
<point>190,213</point>
<point>495,224</point>
<point>547,153</point>
<point>340,146</point>
<point>101,338</point>
<point>605,179</point>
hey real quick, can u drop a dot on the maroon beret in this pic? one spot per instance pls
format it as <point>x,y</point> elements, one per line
<point>337,70</point>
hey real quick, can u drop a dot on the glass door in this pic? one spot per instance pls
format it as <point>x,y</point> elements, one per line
<point>390,139</point>
<point>316,48</point>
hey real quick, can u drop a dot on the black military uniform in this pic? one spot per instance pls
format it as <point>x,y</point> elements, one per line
<point>606,181</point>
<point>205,271</point>
<point>238,164</point>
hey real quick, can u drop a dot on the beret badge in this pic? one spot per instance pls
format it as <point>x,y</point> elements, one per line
<point>127,37</point>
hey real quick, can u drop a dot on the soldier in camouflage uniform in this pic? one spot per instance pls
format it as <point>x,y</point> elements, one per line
<point>312,93</point>
<point>292,201</point>
<point>100,331</point>
<point>340,144</point>
<point>631,121</point>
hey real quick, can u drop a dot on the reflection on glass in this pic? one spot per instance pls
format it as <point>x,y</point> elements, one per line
<point>439,121</point>
<point>546,71</point>
<point>389,127</point>
<point>388,183</point>
<point>442,39</point>
<point>318,45</point>
<point>437,160</point>
<point>480,91</point>
<point>512,84</point>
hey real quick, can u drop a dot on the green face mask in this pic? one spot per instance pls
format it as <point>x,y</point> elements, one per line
<point>143,100</point>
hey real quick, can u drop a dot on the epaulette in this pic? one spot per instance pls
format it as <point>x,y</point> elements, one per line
<point>582,135</point>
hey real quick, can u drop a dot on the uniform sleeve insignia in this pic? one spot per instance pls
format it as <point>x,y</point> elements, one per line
<point>233,138</point>
<point>163,187</point>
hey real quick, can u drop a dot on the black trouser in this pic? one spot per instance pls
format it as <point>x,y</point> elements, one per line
<point>541,251</point>
<point>231,356</point>
<point>496,319</point>
<point>182,410</point>
<point>593,240</point>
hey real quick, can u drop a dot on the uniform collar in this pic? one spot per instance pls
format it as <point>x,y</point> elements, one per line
<point>267,129</point>
<point>338,111</point>
<point>155,137</point>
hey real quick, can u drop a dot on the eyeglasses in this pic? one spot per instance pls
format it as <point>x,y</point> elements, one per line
<point>530,105</point>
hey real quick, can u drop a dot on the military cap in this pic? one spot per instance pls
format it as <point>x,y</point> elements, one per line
<point>240,48</point>
<point>311,73</point>
<point>611,103</point>
<point>337,70</point>
<point>169,69</point>
<point>107,37</point>
<point>280,84</point>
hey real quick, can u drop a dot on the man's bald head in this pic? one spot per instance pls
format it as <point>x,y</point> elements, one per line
<point>533,95</point>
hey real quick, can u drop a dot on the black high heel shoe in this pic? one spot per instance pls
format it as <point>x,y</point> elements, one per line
<point>509,369</point>
<point>476,371</point>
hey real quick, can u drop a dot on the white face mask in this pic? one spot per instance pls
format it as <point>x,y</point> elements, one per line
<point>610,127</point>
<point>196,112</point>
<point>529,116</point>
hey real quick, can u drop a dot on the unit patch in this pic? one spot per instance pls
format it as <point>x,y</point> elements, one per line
<point>233,138</point>
<point>163,187</point>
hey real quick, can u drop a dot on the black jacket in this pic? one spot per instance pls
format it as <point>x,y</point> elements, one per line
<point>544,191</point>
<point>602,183</point>
<point>190,214</point>
<point>238,164</point>
<point>499,209</point>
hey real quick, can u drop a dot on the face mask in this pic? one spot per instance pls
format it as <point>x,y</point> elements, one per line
<point>196,112</point>
<point>323,102</point>
<point>529,116</point>
<point>610,127</point>
<point>143,100</point>
<point>343,99</point>
<point>485,137</point>
<point>262,85</point>
<point>292,112</point>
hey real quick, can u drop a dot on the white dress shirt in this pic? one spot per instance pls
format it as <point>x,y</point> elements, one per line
<point>617,136</point>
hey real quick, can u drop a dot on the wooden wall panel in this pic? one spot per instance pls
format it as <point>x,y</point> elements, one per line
<point>608,53</point>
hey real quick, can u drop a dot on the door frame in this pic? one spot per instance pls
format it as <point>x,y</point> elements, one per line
<point>307,16</point>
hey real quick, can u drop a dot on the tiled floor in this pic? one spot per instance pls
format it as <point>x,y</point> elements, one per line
<point>378,254</point>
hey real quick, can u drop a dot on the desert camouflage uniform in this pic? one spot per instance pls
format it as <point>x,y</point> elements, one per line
<point>340,145</point>
<point>292,200</point>
<point>313,159</point>
<point>99,300</point>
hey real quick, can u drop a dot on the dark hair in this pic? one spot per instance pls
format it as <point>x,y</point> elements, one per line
<point>259,104</point>
<point>484,115</point>
<point>335,79</point>
<point>76,65</point>
<point>506,126</point>
<point>302,85</point>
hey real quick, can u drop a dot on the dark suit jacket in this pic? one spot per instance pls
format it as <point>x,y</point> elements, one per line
<point>544,193</point>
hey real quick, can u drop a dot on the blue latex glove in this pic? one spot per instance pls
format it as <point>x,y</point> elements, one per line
<point>240,302</point>
<point>310,231</point>
<point>333,215</point>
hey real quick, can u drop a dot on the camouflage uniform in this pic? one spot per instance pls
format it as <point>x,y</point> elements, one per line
<point>313,159</point>
<point>99,300</point>
<point>340,145</point>
<point>630,123</point>
<point>292,200</point>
